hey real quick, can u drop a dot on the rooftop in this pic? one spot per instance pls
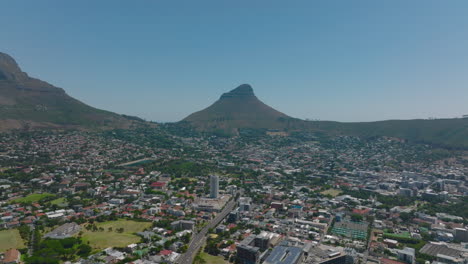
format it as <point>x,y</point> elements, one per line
<point>284,255</point>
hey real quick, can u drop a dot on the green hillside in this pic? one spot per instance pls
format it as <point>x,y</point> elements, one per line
<point>451,133</point>
<point>29,102</point>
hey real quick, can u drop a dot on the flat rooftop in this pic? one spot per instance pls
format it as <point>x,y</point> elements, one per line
<point>284,255</point>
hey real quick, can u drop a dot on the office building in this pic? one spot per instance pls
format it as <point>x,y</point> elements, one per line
<point>248,254</point>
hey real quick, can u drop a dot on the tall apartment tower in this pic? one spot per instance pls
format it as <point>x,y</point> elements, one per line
<point>214,186</point>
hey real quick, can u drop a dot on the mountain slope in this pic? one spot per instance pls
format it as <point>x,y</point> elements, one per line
<point>239,108</point>
<point>29,102</point>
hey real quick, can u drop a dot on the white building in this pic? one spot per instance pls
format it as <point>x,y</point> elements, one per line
<point>407,255</point>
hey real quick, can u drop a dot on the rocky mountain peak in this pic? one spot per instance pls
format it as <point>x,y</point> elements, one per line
<point>9,69</point>
<point>242,91</point>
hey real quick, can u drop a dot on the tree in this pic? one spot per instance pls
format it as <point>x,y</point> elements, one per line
<point>211,248</point>
<point>199,260</point>
<point>84,250</point>
<point>405,217</point>
<point>24,231</point>
<point>356,218</point>
<point>167,244</point>
<point>183,249</point>
<point>257,230</point>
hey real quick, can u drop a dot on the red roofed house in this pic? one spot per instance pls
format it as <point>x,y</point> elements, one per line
<point>389,261</point>
<point>361,211</point>
<point>158,185</point>
<point>12,256</point>
<point>165,252</point>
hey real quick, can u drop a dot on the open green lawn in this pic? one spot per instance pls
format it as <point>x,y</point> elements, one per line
<point>60,201</point>
<point>212,259</point>
<point>32,198</point>
<point>105,239</point>
<point>332,192</point>
<point>10,239</point>
<point>404,234</point>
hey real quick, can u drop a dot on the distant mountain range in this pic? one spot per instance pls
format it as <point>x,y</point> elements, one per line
<point>27,102</point>
<point>241,109</point>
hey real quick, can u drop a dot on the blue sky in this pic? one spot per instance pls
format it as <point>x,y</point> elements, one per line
<point>329,60</point>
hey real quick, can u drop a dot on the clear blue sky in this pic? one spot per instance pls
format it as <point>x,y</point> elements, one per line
<point>329,60</point>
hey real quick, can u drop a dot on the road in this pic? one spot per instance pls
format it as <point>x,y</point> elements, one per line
<point>135,161</point>
<point>31,240</point>
<point>325,232</point>
<point>366,253</point>
<point>198,240</point>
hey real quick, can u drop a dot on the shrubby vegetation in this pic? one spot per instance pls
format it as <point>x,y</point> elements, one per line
<point>53,251</point>
<point>458,208</point>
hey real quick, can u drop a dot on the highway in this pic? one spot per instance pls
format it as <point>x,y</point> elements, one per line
<point>198,239</point>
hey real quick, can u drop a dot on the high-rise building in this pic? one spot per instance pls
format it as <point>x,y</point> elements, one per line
<point>248,254</point>
<point>214,186</point>
<point>233,216</point>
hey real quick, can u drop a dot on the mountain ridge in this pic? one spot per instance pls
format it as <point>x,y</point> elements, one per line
<point>27,102</point>
<point>241,109</point>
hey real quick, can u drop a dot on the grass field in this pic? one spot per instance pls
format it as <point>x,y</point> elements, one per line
<point>10,239</point>
<point>400,235</point>
<point>105,239</point>
<point>59,201</point>
<point>332,192</point>
<point>32,198</point>
<point>212,259</point>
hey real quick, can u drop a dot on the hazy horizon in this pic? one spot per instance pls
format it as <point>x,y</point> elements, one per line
<point>335,60</point>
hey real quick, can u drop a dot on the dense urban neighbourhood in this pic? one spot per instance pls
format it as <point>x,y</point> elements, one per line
<point>168,194</point>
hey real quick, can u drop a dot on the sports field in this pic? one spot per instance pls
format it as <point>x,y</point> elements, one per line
<point>210,259</point>
<point>332,192</point>
<point>106,238</point>
<point>10,239</point>
<point>59,201</point>
<point>404,234</point>
<point>32,198</point>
